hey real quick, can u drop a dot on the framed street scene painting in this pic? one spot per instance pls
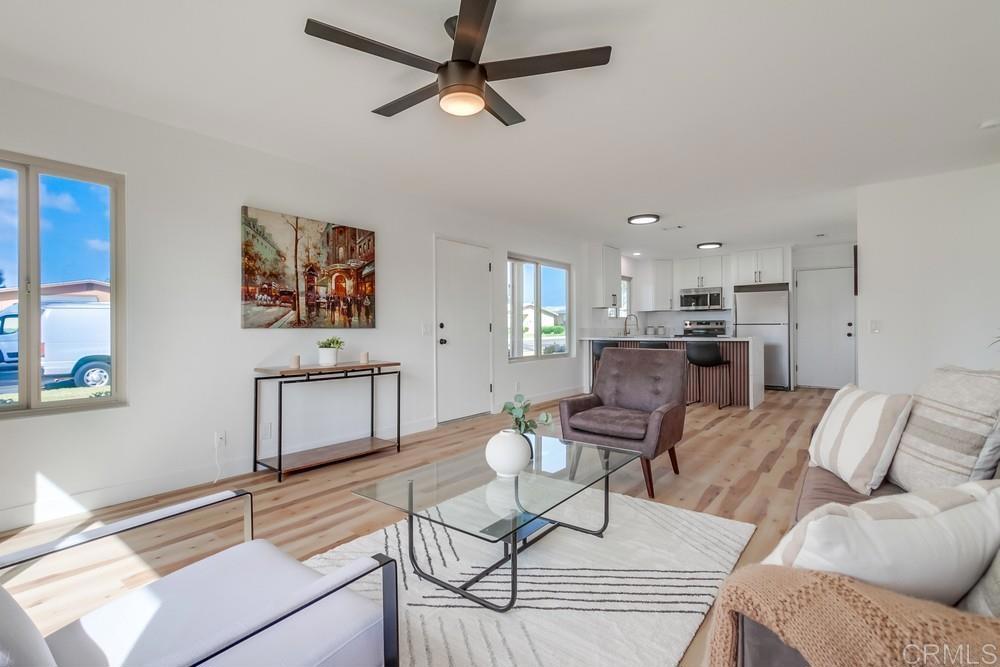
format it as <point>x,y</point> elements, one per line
<point>299,272</point>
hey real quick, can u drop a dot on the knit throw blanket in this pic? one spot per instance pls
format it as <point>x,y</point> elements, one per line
<point>833,620</point>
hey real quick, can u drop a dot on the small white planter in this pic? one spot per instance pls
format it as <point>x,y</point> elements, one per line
<point>508,453</point>
<point>328,356</point>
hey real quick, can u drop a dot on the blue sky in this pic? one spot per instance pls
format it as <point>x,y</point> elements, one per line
<point>75,234</point>
<point>553,286</point>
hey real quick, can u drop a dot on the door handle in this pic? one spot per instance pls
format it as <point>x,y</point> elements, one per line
<point>442,341</point>
<point>850,324</point>
<point>849,334</point>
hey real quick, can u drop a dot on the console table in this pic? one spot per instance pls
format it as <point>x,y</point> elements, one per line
<point>284,464</point>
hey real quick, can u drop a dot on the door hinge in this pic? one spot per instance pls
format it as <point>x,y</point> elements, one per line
<point>796,368</point>
<point>491,387</point>
<point>490,267</point>
<point>796,326</point>
<point>491,327</point>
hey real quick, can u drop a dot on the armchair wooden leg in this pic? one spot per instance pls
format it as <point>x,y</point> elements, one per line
<point>647,474</point>
<point>673,460</point>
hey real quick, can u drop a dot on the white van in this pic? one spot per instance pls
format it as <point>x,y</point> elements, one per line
<point>75,337</point>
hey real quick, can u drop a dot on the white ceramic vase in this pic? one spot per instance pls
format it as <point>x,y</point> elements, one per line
<point>328,356</point>
<point>508,453</point>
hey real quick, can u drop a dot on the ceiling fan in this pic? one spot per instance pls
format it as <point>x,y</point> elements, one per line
<point>461,85</point>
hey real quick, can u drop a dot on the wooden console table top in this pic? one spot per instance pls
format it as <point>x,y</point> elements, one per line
<point>339,368</point>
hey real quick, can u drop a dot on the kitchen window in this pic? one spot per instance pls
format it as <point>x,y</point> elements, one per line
<point>61,325</point>
<point>537,308</point>
<point>624,301</point>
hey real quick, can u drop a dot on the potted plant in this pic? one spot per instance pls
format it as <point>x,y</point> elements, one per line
<point>328,350</point>
<point>523,424</point>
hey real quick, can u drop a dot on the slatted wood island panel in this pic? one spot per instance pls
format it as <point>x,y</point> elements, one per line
<point>746,357</point>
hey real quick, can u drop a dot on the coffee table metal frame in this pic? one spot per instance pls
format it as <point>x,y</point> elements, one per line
<point>541,525</point>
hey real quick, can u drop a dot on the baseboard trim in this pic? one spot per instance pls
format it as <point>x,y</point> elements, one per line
<point>83,502</point>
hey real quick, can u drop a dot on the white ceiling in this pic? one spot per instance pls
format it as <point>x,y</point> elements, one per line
<point>747,121</point>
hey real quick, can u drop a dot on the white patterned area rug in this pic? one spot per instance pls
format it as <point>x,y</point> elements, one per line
<point>634,597</point>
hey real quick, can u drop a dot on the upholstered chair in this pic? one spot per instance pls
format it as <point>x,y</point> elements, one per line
<point>638,403</point>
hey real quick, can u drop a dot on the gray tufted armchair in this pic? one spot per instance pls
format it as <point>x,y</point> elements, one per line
<point>637,403</point>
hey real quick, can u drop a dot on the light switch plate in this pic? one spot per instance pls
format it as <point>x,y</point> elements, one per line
<point>875,326</point>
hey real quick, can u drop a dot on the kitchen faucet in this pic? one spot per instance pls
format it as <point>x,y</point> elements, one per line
<point>631,315</point>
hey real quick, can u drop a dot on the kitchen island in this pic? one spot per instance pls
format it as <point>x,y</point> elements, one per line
<point>746,356</point>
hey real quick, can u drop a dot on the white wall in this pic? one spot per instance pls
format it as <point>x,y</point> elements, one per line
<point>928,253</point>
<point>189,363</point>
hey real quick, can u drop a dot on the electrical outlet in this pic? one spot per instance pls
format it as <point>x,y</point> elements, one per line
<point>265,431</point>
<point>220,439</point>
<point>875,326</point>
<point>517,386</point>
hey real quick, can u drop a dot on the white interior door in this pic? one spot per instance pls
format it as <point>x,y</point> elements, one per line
<point>827,329</point>
<point>462,330</point>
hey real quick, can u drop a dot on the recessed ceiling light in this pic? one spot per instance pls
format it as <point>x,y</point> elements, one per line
<point>636,254</point>
<point>643,219</point>
<point>990,124</point>
<point>711,245</point>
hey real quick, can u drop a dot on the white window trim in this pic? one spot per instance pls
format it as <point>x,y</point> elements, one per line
<point>29,298</point>
<point>539,262</point>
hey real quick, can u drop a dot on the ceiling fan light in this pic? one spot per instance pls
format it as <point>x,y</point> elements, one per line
<point>462,103</point>
<point>710,245</point>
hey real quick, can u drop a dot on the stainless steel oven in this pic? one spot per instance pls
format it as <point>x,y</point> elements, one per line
<point>701,298</point>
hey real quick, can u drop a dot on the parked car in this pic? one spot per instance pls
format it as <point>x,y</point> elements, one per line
<point>75,341</point>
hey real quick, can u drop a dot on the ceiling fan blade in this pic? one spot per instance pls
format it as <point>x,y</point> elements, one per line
<point>350,40</point>
<point>553,62</point>
<point>408,100</point>
<point>500,109</point>
<point>449,25</point>
<point>470,33</point>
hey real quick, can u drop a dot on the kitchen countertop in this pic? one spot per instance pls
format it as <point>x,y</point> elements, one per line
<point>730,339</point>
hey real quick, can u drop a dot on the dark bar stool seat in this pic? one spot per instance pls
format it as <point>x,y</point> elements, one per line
<point>708,354</point>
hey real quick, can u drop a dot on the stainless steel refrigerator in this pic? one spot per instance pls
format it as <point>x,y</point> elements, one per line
<point>762,311</point>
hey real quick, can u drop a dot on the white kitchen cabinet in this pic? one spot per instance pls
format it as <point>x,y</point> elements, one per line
<point>606,263</point>
<point>759,266</point>
<point>711,271</point>
<point>698,272</point>
<point>771,265</point>
<point>653,285</point>
<point>687,273</point>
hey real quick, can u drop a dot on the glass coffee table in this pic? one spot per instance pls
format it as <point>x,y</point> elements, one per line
<point>464,494</point>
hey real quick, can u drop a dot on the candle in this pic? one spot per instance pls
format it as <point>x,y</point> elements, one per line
<point>296,361</point>
<point>364,357</point>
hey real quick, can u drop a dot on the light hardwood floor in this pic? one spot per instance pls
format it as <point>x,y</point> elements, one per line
<point>734,463</point>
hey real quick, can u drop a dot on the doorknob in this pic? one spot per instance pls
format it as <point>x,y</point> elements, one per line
<point>443,341</point>
<point>849,334</point>
<point>850,324</point>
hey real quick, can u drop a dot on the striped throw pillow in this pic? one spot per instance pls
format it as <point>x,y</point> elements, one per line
<point>933,544</point>
<point>858,435</point>
<point>952,434</point>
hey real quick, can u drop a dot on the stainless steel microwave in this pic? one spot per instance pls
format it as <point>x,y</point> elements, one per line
<point>701,298</point>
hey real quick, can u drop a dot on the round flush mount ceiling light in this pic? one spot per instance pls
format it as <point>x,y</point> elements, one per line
<point>990,124</point>
<point>636,254</point>
<point>710,245</point>
<point>643,219</point>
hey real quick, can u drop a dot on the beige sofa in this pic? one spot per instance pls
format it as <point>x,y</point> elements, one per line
<point>762,606</point>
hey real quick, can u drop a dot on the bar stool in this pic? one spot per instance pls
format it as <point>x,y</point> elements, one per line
<point>708,354</point>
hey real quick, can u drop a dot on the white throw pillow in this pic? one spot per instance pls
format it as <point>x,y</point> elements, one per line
<point>20,641</point>
<point>858,436</point>
<point>933,544</point>
<point>984,598</point>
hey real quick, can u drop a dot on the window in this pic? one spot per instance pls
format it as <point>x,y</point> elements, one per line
<point>60,320</point>
<point>625,301</point>
<point>537,308</point>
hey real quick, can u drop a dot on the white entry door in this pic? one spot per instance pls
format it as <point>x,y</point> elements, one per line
<point>462,330</point>
<point>827,328</point>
